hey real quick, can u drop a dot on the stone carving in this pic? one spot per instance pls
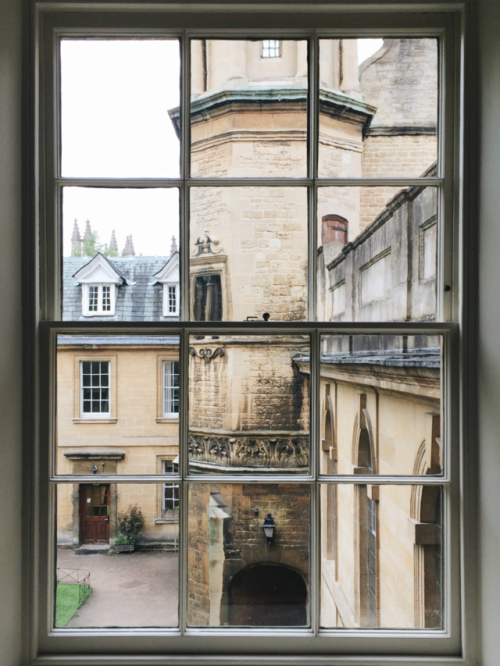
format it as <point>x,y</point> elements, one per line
<point>246,451</point>
<point>254,452</point>
<point>207,244</point>
<point>206,353</point>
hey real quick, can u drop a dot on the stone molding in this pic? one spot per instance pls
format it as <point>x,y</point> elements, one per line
<point>94,455</point>
<point>206,353</point>
<point>229,451</point>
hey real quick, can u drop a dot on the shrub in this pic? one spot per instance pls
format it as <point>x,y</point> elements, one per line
<point>130,524</point>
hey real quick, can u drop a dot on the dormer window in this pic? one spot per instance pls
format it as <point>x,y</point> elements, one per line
<point>100,279</point>
<point>271,48</point>
<point>172,299</point>
<point>168,276</point>
<point>100,299</point>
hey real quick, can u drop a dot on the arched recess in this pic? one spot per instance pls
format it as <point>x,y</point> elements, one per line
<point>267,595</point>
<point>328,466</point>
<point>426,528</point>
<point>367,518</point>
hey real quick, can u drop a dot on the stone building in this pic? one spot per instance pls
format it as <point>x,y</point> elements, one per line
<point>249,397</point>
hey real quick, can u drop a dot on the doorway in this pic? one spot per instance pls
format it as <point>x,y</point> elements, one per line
<point>268,595</point>
<point>94,513</point>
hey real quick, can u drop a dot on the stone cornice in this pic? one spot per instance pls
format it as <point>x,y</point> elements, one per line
<point>332,103</point>
<point>94,455</point>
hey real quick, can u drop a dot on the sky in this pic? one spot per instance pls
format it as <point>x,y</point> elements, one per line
<point>115,97</point>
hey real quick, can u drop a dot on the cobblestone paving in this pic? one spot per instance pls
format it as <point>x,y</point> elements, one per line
<point>128,590</point>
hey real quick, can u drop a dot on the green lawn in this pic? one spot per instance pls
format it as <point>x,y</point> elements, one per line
<point>68,602</point>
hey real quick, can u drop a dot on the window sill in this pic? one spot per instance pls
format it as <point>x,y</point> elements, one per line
<point>106,419</point>
<point>165,521</point>
<point>167,419</point>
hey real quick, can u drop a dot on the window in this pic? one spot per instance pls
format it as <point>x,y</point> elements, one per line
<point>95,386</point>
<point>171,389</point>
<point>99,299</point>
<point>93,298</point>
<point>170,501</point>
<point>271,48</point>
<point>207,298</point>
<point>172,299</point>
<point>313,345</point>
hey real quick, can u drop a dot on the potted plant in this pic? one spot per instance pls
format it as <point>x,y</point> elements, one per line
<point>129,526</point>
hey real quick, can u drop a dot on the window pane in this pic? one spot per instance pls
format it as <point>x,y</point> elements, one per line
<point>378,251</point>
<point>248,110</point>
<point>127,238</point>
<point>248,253</point>
<point>138,587</point>
<point>381,556</point>
<point>249,404</point>
<point>378,107</point>
<point>115,98</point>
<point>118,426</point>
<point>238,576</point>
<point>380,404</point>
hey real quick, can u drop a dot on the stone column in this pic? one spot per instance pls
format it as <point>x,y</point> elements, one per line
<point>226,64</point>
<point>301,75</point>
<point>197,68</point>
<point>349,76</point>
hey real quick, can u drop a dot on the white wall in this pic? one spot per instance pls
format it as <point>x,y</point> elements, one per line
<point>10,324</point>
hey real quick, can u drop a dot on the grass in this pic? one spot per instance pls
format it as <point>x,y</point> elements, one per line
<point>68,602</point>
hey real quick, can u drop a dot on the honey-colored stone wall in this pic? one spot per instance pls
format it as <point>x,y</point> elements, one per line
<point>252,386</point>
<point>138,434</point>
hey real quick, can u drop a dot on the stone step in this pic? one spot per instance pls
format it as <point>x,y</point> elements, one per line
<point>93,549</point>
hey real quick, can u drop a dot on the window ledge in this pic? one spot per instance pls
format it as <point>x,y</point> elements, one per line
<point>167,419</point>
<point>164,521</point>
<point>106,419</point>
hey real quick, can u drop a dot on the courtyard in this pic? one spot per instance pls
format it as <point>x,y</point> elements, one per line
<point>137,589</point>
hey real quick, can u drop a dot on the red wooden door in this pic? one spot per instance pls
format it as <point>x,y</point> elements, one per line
<point>94,513</point>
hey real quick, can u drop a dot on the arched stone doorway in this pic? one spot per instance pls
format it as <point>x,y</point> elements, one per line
<point>268,595</point>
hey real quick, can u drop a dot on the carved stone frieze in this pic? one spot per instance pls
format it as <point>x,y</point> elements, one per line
<point>245,451</point>
<point>206,353</point>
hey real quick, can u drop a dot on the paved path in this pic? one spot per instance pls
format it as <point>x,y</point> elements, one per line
<point>128,590</point>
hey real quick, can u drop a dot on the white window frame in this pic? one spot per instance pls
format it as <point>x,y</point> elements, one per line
<point>452,645</point>
<point>166,299</point>
<point>100,311</point>
<point>94,415</point>
<point>168,366</point>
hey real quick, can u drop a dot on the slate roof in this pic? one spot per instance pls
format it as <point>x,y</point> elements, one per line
<point>426,357</point>
<point>118,340</point>
<point>137,302</point>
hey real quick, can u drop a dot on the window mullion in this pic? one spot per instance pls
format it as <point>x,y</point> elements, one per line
<point>183,471</point>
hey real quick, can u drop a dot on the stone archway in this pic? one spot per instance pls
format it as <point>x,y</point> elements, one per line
<point>268,595</point>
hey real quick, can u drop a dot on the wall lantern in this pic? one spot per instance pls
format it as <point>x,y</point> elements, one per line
<point>269,528</point>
